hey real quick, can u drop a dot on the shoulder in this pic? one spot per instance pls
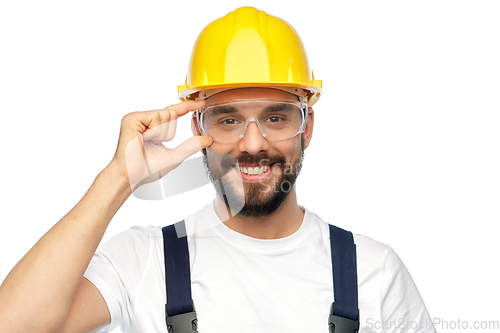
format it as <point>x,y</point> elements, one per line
<point>137,244</point>
<point>372,255</point>
<point>121,263</point>
<point>133,237</point>
<point>125,268</point>
<point>150,238</point>
<point>365,246</point>
<point>371,249</point>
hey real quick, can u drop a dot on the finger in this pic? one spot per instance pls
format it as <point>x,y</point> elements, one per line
<point>170,130</point>
<point>161,124</point>
<point>153,120</point>
<point>189,147</point>
<point>181,109</point>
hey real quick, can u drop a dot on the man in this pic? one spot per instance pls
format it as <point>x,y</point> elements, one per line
<point>258,262</point>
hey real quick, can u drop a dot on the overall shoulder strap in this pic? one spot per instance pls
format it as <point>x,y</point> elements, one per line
<point>344,313</point>
<point>180,314</point>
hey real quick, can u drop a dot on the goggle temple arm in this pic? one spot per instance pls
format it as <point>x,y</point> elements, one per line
<point>305,112</point>
<point>201,96</point>
<point>199,121</point>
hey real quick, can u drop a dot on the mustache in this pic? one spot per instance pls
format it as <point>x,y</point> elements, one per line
<point>230,161</point>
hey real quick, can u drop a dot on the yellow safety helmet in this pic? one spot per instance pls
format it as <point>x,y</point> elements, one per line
<point>249,48</point>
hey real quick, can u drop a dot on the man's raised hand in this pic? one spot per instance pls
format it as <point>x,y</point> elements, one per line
<point>140,155</point>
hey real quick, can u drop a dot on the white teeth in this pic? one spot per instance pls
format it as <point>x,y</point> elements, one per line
<point>254,171</point>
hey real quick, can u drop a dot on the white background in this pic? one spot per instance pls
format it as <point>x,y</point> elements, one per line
<point>405,147</point>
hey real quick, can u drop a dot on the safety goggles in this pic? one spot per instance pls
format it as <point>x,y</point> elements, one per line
<point>275,119</point>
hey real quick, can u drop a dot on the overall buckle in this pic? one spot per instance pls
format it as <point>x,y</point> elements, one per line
<point>339,324</point>
<point>182,323</point>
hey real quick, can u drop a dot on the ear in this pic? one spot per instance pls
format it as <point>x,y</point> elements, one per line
<point>308,131</point>
<point>194,125</point>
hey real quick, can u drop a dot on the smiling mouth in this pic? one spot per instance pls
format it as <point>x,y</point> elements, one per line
<point>255,170</point>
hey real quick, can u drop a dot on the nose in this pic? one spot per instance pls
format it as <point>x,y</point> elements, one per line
<point>253,142</point>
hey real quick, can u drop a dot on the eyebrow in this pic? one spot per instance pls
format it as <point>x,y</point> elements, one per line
<point>226,109</point>
<point>279,107</point>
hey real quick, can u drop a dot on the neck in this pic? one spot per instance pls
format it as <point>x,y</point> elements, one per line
<point>285,221</point>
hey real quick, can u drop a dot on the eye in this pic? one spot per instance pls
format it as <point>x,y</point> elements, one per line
<point>275,119</point>
<point>228,121</point>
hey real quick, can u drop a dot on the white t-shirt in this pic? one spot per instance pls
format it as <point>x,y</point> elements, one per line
<point>243,284</point>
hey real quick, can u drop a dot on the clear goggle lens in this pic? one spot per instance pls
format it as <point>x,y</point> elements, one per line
<point>275,119</point>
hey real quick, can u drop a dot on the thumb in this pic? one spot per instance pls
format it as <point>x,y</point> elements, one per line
<point>189,147</point>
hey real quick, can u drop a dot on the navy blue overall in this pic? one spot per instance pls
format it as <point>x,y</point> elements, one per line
<point>180,313</point>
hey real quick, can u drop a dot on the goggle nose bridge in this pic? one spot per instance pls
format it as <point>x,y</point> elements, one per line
<point>256,121</point>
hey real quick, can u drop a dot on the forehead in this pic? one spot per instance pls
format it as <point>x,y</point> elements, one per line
<point>251,93</point>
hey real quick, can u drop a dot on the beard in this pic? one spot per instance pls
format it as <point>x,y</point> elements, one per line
<point>253,199</point>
